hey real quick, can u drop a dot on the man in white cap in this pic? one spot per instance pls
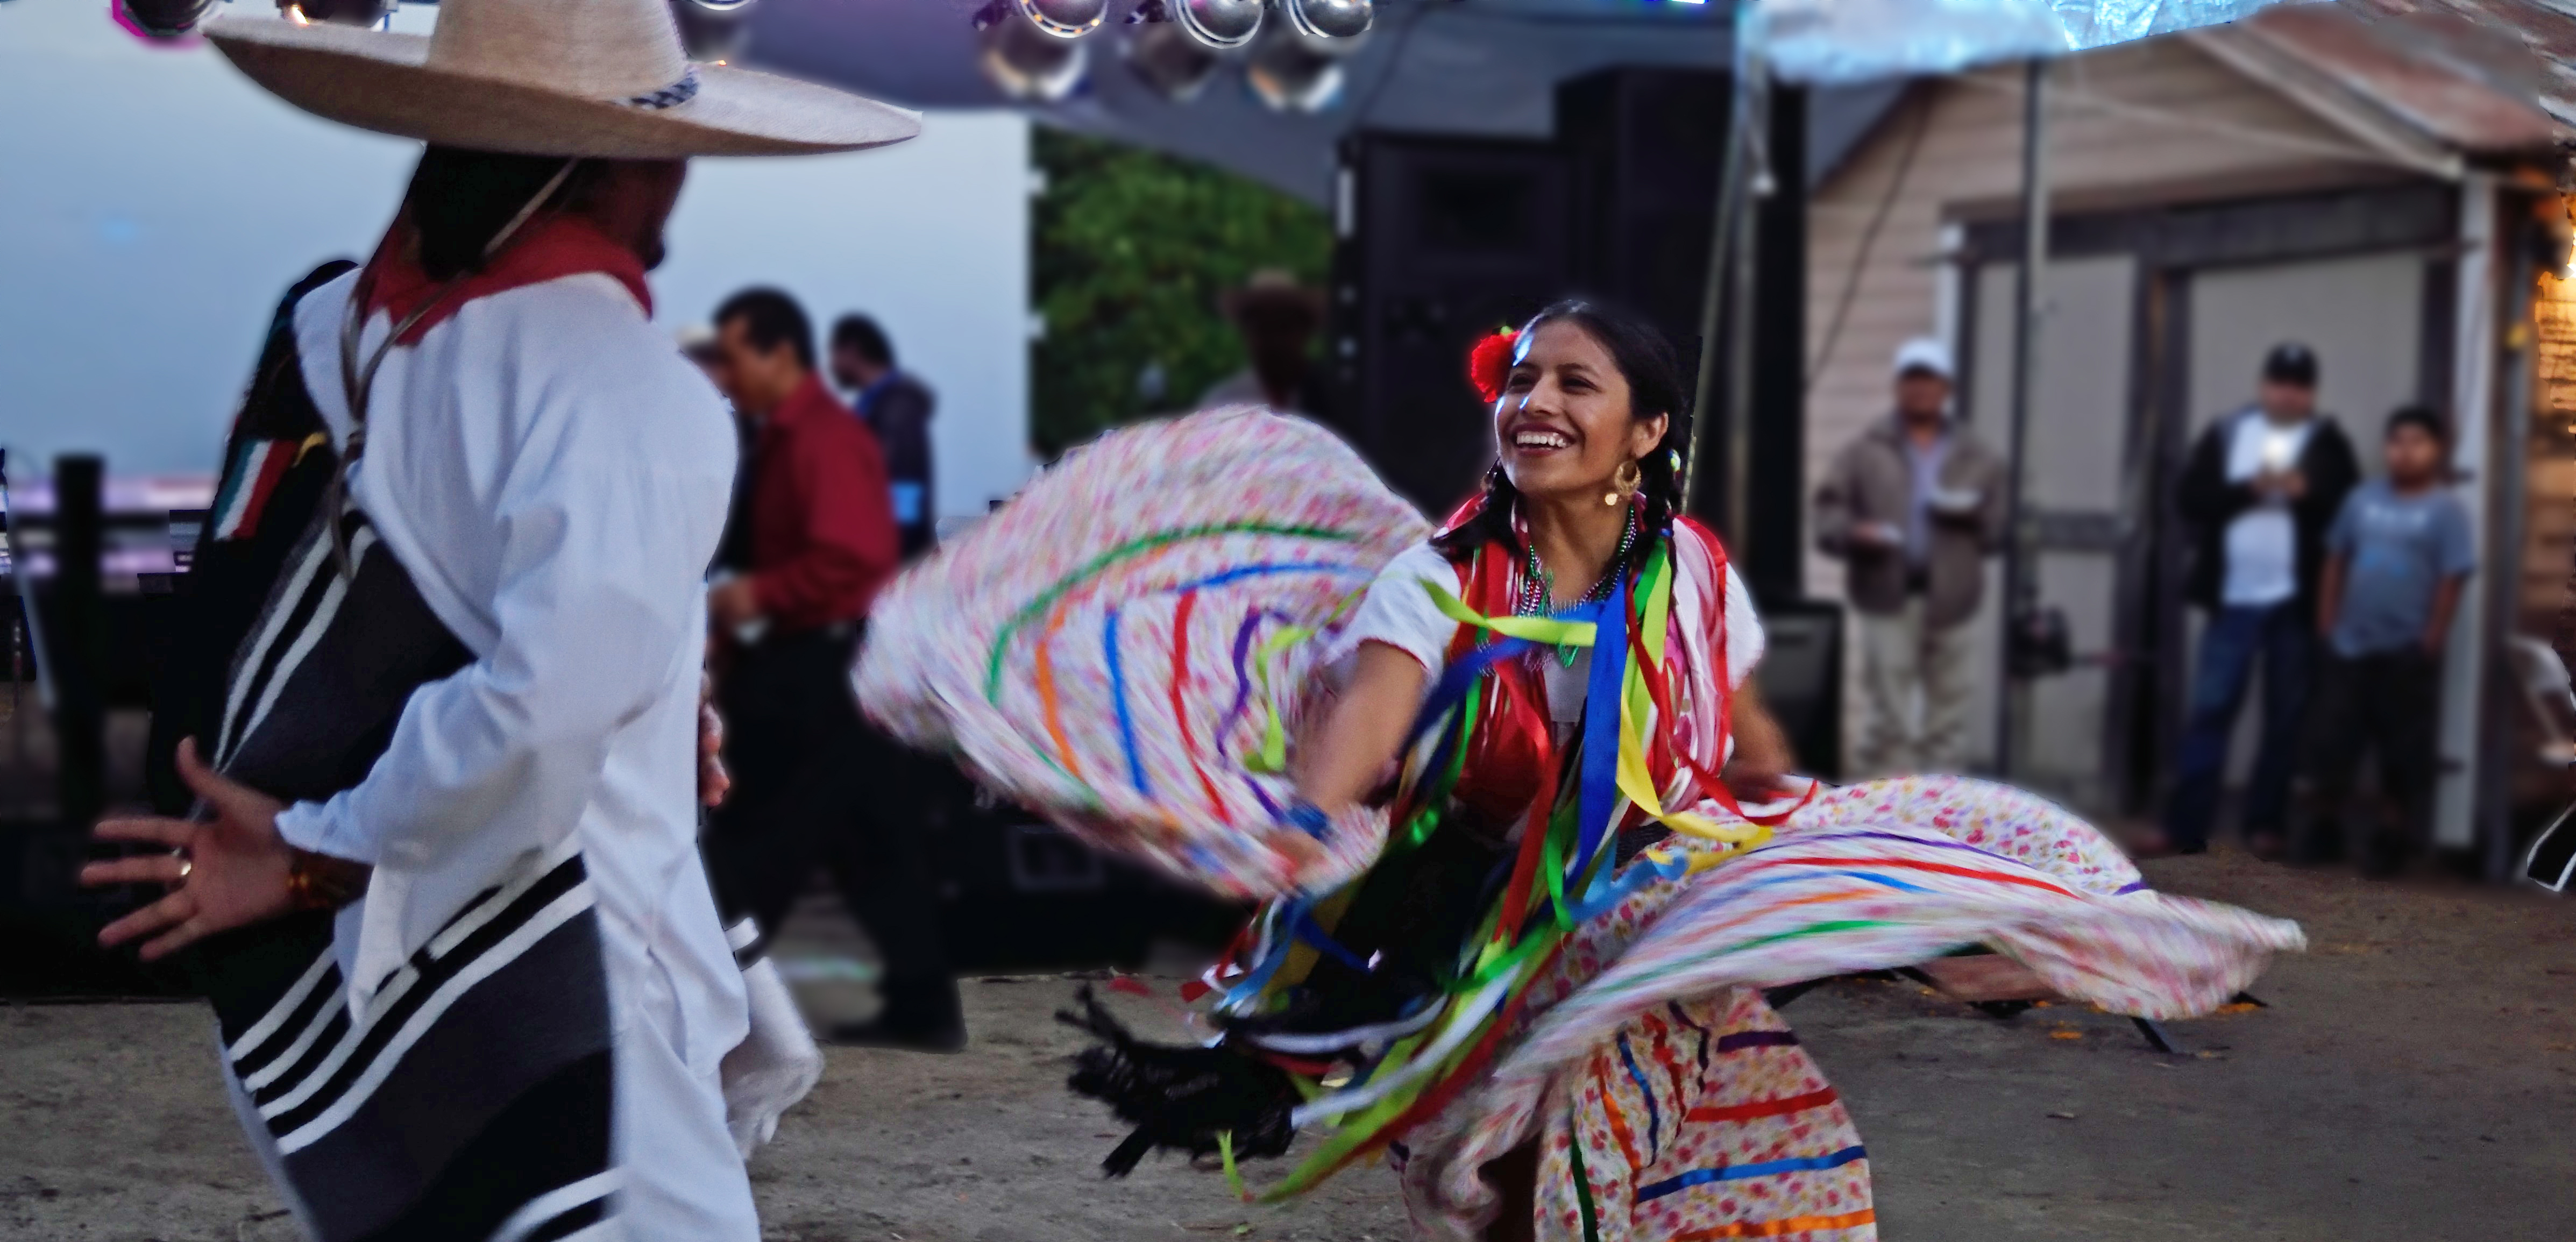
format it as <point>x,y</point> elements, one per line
<point>1913,506</point>
<point>443,887</point>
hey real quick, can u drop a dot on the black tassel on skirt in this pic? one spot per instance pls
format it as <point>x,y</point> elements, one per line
<point>1179,1097</point>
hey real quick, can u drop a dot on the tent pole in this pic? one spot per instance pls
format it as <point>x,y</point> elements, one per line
<point>1739,315</point>
<point>1731,186</point>
<point>2021,584</point>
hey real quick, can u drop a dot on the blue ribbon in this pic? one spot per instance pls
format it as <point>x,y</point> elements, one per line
<point>1251,984</point>
<point>1312,932</point>
<point>1118,695</point>
<point>1600,772</point>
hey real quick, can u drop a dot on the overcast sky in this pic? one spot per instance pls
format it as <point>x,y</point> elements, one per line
<point>154,204</point>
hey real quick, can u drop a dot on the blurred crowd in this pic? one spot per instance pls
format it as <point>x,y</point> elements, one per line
<point>2335,590</point>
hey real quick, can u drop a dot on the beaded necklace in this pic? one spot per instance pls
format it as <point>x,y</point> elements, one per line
<point>1538,587</point>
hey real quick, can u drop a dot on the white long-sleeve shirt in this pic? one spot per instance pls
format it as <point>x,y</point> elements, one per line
<point>554,477</point>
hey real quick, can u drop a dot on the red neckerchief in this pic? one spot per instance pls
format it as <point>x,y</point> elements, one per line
<point>550,247</point>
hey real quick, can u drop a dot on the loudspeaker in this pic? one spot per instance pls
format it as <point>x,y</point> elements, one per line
<point>1801,675</point>
<point>1645,147</point>
<point>1018,894</point>
<point>1441,240</point>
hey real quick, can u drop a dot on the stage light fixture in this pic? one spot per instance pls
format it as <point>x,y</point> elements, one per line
<point>1065,19</point>
<point>1166,57</point>
<point>1219,23</point>
<point>164,19</point>
<point>1293,71</point>
<point>713,30</point>
<point>337,12</point>
<point>1331,19</point>
<point>1023,59</point>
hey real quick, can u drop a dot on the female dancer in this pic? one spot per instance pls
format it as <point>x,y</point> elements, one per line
<point>1526,889</point>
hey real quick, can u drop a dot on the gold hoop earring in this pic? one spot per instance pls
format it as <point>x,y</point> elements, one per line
<point>1624,482</point>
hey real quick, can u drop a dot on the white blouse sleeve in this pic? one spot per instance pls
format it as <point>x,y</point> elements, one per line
<point>1399,613</point>
<point>1744,637</point>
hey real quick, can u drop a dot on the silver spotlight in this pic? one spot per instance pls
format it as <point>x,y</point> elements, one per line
<point>1220,23</point>
<point>1331,19</point>
<point>337,12</point>
<point>1166,57</point>
<point>713,30</point>
<point>163,19</point>
<point>1023,59</point>
<point>1293,71</point>
<point>1065,19</point>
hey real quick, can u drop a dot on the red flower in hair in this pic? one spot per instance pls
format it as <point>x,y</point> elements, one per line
<point>1489,365</point>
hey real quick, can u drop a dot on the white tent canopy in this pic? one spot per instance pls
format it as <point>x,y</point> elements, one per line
<point>1820,41</point>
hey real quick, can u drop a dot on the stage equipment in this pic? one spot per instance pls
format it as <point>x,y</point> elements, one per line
<point>1331,19</point>
<point>164,19</point>
<point>1446,239</point>
<point>1294,71</point>
<point>337,12</point>
<point>1022,54</point>
<point>1065,19</point>
<point>713,30</point>
<point>1219,23</point>
<point>1165,56</point>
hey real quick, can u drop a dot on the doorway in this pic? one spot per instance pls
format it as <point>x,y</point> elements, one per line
<point>2157,323</point>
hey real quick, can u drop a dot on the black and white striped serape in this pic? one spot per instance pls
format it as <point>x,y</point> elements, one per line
<point>470,1096</point>
<point>2550,863</point>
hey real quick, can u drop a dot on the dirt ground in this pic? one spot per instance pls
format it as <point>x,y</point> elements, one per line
<point>2414,1077</point>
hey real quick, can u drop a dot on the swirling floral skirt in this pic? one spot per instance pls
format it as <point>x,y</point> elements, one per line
<point>1671,1104</point>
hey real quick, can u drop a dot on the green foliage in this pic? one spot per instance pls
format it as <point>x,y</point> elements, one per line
<point>1131,250</point>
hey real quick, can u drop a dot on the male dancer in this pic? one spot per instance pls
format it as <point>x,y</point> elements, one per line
<point>446,892</point>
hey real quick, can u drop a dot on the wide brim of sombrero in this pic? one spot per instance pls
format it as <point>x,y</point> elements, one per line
<point>382,81</point>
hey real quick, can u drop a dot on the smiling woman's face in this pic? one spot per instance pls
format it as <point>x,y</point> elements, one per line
<point>1564,426</point>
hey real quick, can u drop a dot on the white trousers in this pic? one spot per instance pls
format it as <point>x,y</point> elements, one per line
<point>683,1177</point>
<point>1915,680</point>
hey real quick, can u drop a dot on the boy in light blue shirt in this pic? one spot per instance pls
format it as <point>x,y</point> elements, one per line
<point>2396,557</point>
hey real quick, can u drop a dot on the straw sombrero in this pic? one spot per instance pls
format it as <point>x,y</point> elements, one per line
<point>596,78</point>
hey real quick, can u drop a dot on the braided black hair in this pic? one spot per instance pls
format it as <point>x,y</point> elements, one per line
<point>1646,360</point>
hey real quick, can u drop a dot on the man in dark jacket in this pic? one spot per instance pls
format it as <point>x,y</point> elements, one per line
<point>2261,488</point>
<point>897,408</point>
<point>1913,506</point>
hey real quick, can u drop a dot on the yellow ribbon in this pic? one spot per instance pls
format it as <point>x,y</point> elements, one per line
<point>1533,629</point>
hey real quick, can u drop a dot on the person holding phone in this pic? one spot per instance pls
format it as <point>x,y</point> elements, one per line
<point>2261,488</point>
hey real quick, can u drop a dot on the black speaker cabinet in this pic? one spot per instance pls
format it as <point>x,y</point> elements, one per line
<point>1645,147</point>
<point>1801,675</point>
<point>1442,240</point>
<point>1017,893</point>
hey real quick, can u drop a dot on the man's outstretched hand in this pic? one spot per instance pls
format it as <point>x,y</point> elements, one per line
<point>229,873</point>
<point>713,780</point>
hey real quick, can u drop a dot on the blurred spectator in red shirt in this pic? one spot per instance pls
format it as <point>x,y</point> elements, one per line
<point>821,536</point>
<point>813,540</point>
